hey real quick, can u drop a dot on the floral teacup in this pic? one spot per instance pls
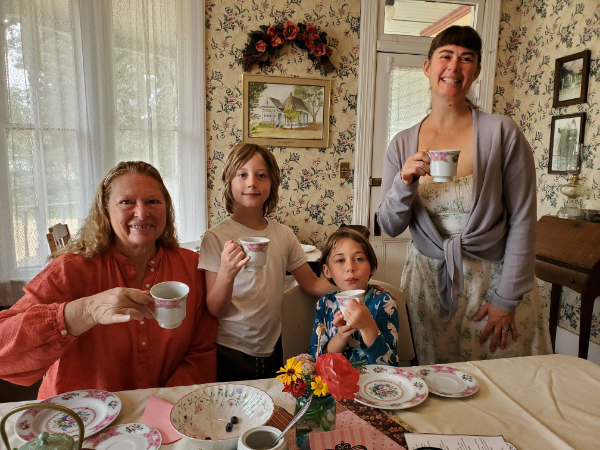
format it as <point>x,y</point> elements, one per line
<point>443,164</point>
<point>343,298</point>
<point>256,248</point>
<point>169,300</point>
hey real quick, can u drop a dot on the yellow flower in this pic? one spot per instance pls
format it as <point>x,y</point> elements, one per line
<point>291,371</point>
<point>320,387</point>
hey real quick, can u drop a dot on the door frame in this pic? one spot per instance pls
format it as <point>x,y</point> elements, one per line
<point>365,110</point>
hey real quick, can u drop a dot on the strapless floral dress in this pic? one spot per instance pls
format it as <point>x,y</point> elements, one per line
<point>448,205</point>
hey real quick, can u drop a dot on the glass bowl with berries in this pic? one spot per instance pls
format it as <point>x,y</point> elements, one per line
<point>218,415</point>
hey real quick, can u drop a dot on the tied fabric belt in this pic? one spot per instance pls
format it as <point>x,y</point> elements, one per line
<point>450,278</point>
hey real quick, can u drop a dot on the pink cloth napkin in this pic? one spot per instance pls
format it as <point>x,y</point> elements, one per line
<point>158,414</point>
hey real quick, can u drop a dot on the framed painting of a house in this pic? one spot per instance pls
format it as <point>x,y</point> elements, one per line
<point>571,79</point>
<point>286,111</point>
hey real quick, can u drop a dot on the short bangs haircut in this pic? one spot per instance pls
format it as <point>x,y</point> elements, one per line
<point>348,233</point>
<point>240,154</point>
<point>463,36</point>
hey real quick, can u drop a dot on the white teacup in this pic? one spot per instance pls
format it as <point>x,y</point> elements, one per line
<point>256,248</point>
<point>343,298</point>
<point>261,438</point>
<point>169,300</point>
<point>443,164</point>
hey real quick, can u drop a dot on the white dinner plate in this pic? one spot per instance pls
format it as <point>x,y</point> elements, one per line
<point>128,436</point>
<point>308,248</point>
<point>97,409</point>
<point>390,387</point>
<point>449,382</point>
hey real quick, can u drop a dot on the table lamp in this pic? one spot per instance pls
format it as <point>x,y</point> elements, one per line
<point>573,189</point>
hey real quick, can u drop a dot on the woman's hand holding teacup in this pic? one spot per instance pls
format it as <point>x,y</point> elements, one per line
<point>416,166</point>
<point>116,305</point>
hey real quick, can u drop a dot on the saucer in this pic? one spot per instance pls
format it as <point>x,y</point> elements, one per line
<point>130,436</point>
<point>307,248</point>
<point>449,382</point>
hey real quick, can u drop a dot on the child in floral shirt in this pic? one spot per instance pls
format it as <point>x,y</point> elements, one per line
<point>367,331</point>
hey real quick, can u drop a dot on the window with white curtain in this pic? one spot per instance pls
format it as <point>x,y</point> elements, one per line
<point>87,84</point>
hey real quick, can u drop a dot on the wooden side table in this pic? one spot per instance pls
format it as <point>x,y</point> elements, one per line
<point>568,254</point>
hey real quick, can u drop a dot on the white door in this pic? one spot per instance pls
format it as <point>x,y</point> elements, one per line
<point>401,101</point>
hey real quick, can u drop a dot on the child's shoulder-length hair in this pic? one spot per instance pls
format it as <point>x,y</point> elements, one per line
<point>348,233</point>
<point>240,154</point>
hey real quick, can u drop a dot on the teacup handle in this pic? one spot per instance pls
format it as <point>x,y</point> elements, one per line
<point>152,312</point>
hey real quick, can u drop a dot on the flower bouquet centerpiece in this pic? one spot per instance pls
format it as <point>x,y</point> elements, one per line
<point>331,377</point>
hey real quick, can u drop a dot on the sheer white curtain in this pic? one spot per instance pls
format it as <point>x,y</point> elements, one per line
<point>87,84</point>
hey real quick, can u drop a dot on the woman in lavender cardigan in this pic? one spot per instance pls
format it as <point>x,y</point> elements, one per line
<point>470,273</point>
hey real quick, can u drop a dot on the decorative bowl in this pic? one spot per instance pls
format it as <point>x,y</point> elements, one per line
<point>202,415</point>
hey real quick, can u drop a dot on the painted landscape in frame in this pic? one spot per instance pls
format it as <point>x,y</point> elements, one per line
<point>286,111</point>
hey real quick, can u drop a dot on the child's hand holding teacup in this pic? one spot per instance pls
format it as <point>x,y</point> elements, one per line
<point>233,258</point>
<point>359,316</point>
<point>343,335</point>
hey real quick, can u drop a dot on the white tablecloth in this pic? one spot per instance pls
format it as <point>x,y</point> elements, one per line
<point>538,403</point>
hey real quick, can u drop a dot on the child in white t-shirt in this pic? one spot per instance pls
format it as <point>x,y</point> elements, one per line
<point>248,303</point>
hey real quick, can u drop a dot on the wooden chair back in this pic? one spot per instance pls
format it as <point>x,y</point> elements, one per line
<point>58,236</point>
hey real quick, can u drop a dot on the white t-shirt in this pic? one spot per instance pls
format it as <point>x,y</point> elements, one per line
<point>253,322</point>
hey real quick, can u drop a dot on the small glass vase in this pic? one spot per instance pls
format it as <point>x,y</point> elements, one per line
<point>320,416</point>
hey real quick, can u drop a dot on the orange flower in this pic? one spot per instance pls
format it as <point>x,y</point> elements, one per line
<point>261,46</point>
<point>290,30</point>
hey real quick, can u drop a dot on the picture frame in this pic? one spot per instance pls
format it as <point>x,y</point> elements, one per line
<point>566,132</point>
<point>286,111</point>
<point>571,76</point>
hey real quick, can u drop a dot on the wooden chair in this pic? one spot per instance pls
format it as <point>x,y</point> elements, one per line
<point>299,312</point>
<point>58,236</point>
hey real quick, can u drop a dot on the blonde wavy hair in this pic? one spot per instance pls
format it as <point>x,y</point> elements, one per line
<point>96,235</point>
<point>240,154</point>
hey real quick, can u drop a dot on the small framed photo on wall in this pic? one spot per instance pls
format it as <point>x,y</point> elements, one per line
<point>571,75</point>
<point>567,132</point>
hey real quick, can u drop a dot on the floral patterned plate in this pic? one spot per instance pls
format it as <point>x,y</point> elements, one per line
<point>390,387</point>
<point>97,409</point>
<point>130,436</point>
<point>449,382</point>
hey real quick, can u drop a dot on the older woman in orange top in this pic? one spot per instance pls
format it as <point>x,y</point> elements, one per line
<point>83,321</point>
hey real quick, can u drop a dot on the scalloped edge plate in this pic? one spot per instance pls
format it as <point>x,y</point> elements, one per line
<point>134,436</point>
<point>389,387</point>
<point>98,409</point>
<point>447,381</point>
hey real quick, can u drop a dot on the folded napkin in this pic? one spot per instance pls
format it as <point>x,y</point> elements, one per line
<point>158,414</point>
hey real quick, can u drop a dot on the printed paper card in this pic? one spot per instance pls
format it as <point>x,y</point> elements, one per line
<point>352,439</point>
<point>456,442</point>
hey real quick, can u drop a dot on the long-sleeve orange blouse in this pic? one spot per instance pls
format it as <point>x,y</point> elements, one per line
<point>135,355</point>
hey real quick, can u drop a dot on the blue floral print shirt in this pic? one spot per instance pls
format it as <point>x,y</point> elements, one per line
<point>382,306</point>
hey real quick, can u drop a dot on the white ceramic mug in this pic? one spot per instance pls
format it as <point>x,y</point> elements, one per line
<point>256,248</point>
<point>261,438</point>
<point>443,164</point>
<point>169,300</point>
<point>343,298</point>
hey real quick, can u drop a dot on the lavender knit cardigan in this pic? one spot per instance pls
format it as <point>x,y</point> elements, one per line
<point>502,222</point>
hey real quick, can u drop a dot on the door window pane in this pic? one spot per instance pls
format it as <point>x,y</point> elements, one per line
<point>409,99</point>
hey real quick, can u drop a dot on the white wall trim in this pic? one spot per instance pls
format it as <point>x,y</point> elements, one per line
<point>491,30</point>
<point>365,110</point>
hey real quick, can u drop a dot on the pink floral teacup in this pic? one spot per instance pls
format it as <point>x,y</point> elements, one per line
<point>169,300</point>
<point>443,164</point>
<point>256,248</point>
<point>343,298</point>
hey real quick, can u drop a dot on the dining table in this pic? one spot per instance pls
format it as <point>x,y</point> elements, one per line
<point>549,402</point>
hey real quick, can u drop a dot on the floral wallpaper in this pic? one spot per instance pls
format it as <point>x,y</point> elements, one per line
<point>532,35</point>
<point>313,199</point>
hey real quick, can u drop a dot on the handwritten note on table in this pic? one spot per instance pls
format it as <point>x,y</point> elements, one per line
<point>456,442</point>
